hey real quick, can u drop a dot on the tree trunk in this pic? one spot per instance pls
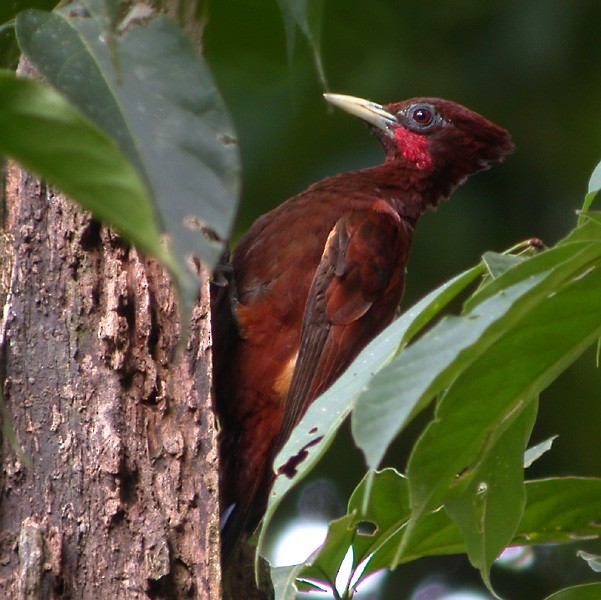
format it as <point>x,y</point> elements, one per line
<point>109,489</point>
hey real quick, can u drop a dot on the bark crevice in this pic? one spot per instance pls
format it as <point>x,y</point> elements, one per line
<point>118,494</point>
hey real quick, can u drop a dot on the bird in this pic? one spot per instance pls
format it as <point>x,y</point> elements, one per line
<point>314,280</point>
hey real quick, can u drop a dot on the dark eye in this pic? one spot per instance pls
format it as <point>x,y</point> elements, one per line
<point>422,116</point>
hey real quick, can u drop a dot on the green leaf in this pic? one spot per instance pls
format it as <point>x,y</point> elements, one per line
<point>283,579</point>
<point>316,431</point>
<point>9,50</point>
<point>489,510</point>
<point>506,374</point>
<point>548,262</point>
<point>589,591</point>
<point>162,108</point>
<point>326,564</point>
<point>43,132</point>
<point>594,185</point>
<point>590,230</point>
<point>558,510</point>
<point>409,382</point>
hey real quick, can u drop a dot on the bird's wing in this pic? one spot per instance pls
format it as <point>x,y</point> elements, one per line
<point>363,260</point>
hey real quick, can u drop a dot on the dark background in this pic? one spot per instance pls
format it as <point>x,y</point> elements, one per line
<point>534,67</point>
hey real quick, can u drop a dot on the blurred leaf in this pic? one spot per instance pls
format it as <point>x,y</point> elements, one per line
<point>535,452</point>
<point>594,561</point>
<point>316,431</point>
<point>43,132</point>
<point>306,15</point>
<point>105,11</point>
<point>162,108</point>
<point>10,8</point>
<point>489,510</point>
<point>9,49</point>
<point>589,591</point>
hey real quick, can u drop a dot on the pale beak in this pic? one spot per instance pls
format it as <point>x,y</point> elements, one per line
<point>370,112</point>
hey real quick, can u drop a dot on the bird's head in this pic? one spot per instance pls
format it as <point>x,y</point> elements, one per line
<point>438,139</point>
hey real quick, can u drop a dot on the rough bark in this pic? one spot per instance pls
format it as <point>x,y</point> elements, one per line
<point>115,492</point>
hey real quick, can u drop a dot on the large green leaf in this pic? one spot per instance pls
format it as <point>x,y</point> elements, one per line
<point>47,135</point>
<point>161,105</point>
<point>553,282</point>
<point>558,510</point>
<point>311,438</point>
<point>490,394</point>
<point>426,368</point>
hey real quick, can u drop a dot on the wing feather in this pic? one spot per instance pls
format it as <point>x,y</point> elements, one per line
<point>354,294</point>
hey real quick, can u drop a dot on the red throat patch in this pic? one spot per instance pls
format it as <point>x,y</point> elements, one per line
<point>413,147</point>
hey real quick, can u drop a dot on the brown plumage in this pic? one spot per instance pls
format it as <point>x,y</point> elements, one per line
<point>320,276</point>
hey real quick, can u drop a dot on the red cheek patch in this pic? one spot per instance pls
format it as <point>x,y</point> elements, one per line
<point>413,148</point>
